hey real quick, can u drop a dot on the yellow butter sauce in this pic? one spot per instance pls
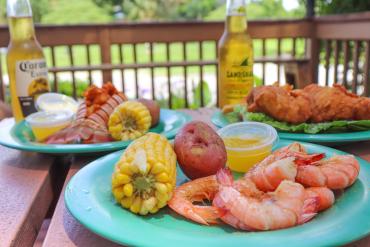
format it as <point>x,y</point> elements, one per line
<point>244,153</point>
<point>41,133</point>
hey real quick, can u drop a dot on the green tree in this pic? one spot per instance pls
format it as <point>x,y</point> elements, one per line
<point>262,9</point>
<point>195,9</point>
<point>82,11</point>
<point>39,8</point>
<point>325,7</point>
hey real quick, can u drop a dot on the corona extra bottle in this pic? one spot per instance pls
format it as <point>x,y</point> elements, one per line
<point>28,74</point>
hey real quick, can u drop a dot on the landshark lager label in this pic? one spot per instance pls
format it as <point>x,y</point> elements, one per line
<point>235,57</point>
<point>31,78</point>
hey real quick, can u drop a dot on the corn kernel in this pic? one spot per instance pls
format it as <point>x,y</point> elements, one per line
<point>157,168</point>
<point>162,177</point>
<point>161,197</point>
<point>161,204</point>
<point>154,210</point>
<point>169,186</point>
<point>122,178</point>
<point>128,189</point>
<point>126,202</point>
<point>118,193</point>
<point>143,210</point>
<point>161,188</point>
<point>150,203</point>
<point>125,169</point>
<point>136,205</point>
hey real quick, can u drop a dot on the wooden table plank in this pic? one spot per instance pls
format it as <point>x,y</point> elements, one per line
<point>26,194</point>
<point>64,230</point>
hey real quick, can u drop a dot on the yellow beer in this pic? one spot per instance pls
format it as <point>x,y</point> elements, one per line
<point>27,69</point>
<point>235,56</point>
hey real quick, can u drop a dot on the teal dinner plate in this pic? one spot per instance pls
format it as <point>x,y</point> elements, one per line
<point>220,121</point>
<point>88,198</point>
<point>19,136</point>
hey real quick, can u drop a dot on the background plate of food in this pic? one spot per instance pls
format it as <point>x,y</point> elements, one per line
<point>105,121</point>
<point>89,198</point>
<point>313,114</point>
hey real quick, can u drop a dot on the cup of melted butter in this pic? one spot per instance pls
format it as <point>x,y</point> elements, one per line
<point>52,102</point>
<point>46,123</point>
<point>247,144</point>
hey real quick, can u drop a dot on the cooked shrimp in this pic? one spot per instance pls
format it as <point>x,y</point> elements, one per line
<point>280,165</point>
<point>338,172</point>
<point>196,191</point>
<point>325,195</point>
<point>287,206</point>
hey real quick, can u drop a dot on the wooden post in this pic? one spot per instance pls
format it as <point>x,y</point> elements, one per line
<point>104,43</point>
<point>313,52</point>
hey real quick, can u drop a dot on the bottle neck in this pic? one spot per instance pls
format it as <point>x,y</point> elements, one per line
<point>236,19</point>
<point>20,21</point>
<point>21,28</point>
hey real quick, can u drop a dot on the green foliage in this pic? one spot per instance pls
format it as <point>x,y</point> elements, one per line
<point>39,8</point>
<point>261,9</point>
<point>82,11</point>
<point>178,100</point>
<point>195,9</point>
<point>66,87</point>
<point>325,7</point>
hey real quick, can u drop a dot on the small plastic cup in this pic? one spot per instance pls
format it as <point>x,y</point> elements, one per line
<point>46,123</point>
<point>247,143</point>
<point>55,102</point>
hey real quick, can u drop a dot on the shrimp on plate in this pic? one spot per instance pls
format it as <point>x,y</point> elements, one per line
<point>294,164</point>
<point>197,190</point>
<point>289,205</point>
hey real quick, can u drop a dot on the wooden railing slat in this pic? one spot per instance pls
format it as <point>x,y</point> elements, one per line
<point>88,57</point>
<point>168,76</point>
<point>336,60</point>
<point>356,54</point>
<point>278,55</point>
<point>201,74</point>
<point>2,86</point>
<point>367,69</point>
<point>263,64</point>
<point>53,63</point>
<point>134,47</point>
<point>185,75</point>
<point>327,60</point>
<point>120,48</point>
<point>71,61</point>
<point>345,62</point>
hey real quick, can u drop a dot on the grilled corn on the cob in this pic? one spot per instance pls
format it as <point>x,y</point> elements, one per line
<point>145,176</point>
<point>129,121</point>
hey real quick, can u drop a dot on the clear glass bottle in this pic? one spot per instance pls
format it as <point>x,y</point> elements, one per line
<point>27,70</point>
<point>235,56</point>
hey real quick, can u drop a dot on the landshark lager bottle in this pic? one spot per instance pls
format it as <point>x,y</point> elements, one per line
<point>235,56</point>
<point>28,74</point>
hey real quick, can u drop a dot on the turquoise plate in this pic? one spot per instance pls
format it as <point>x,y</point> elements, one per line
<point>19,136</point>
<point>220,121</point>
<point>88,198</point>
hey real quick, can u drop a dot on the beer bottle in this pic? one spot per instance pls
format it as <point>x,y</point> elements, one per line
<point>235,56</point>
<point>28,74</point>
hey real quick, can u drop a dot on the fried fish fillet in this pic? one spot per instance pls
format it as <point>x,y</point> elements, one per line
<point>280,103</point>
<point>311,104</point>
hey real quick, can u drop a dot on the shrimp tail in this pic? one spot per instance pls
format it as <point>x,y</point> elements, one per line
<point>306,159</point>
<point>309,210</point>
<point>210,215</point>
<point>225,177</point>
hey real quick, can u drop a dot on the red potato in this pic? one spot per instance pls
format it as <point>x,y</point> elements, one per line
<point>200,150</point>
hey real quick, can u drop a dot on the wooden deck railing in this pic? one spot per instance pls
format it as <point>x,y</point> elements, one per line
<point>340,43</point>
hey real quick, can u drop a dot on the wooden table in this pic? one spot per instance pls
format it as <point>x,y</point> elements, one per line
<point>27,191</point>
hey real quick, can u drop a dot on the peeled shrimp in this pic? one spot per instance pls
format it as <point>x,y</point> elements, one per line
<point>287,206</point>
<point>280,165</point>
<point>338,172</point>
<point>196,191</point>
<point>294,164</point>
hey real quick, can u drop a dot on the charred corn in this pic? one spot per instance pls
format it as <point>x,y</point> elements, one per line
<point>145,176</point>
<point>130,120</point>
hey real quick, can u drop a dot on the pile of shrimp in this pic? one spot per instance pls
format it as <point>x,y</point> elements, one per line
<point>286,189</point>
